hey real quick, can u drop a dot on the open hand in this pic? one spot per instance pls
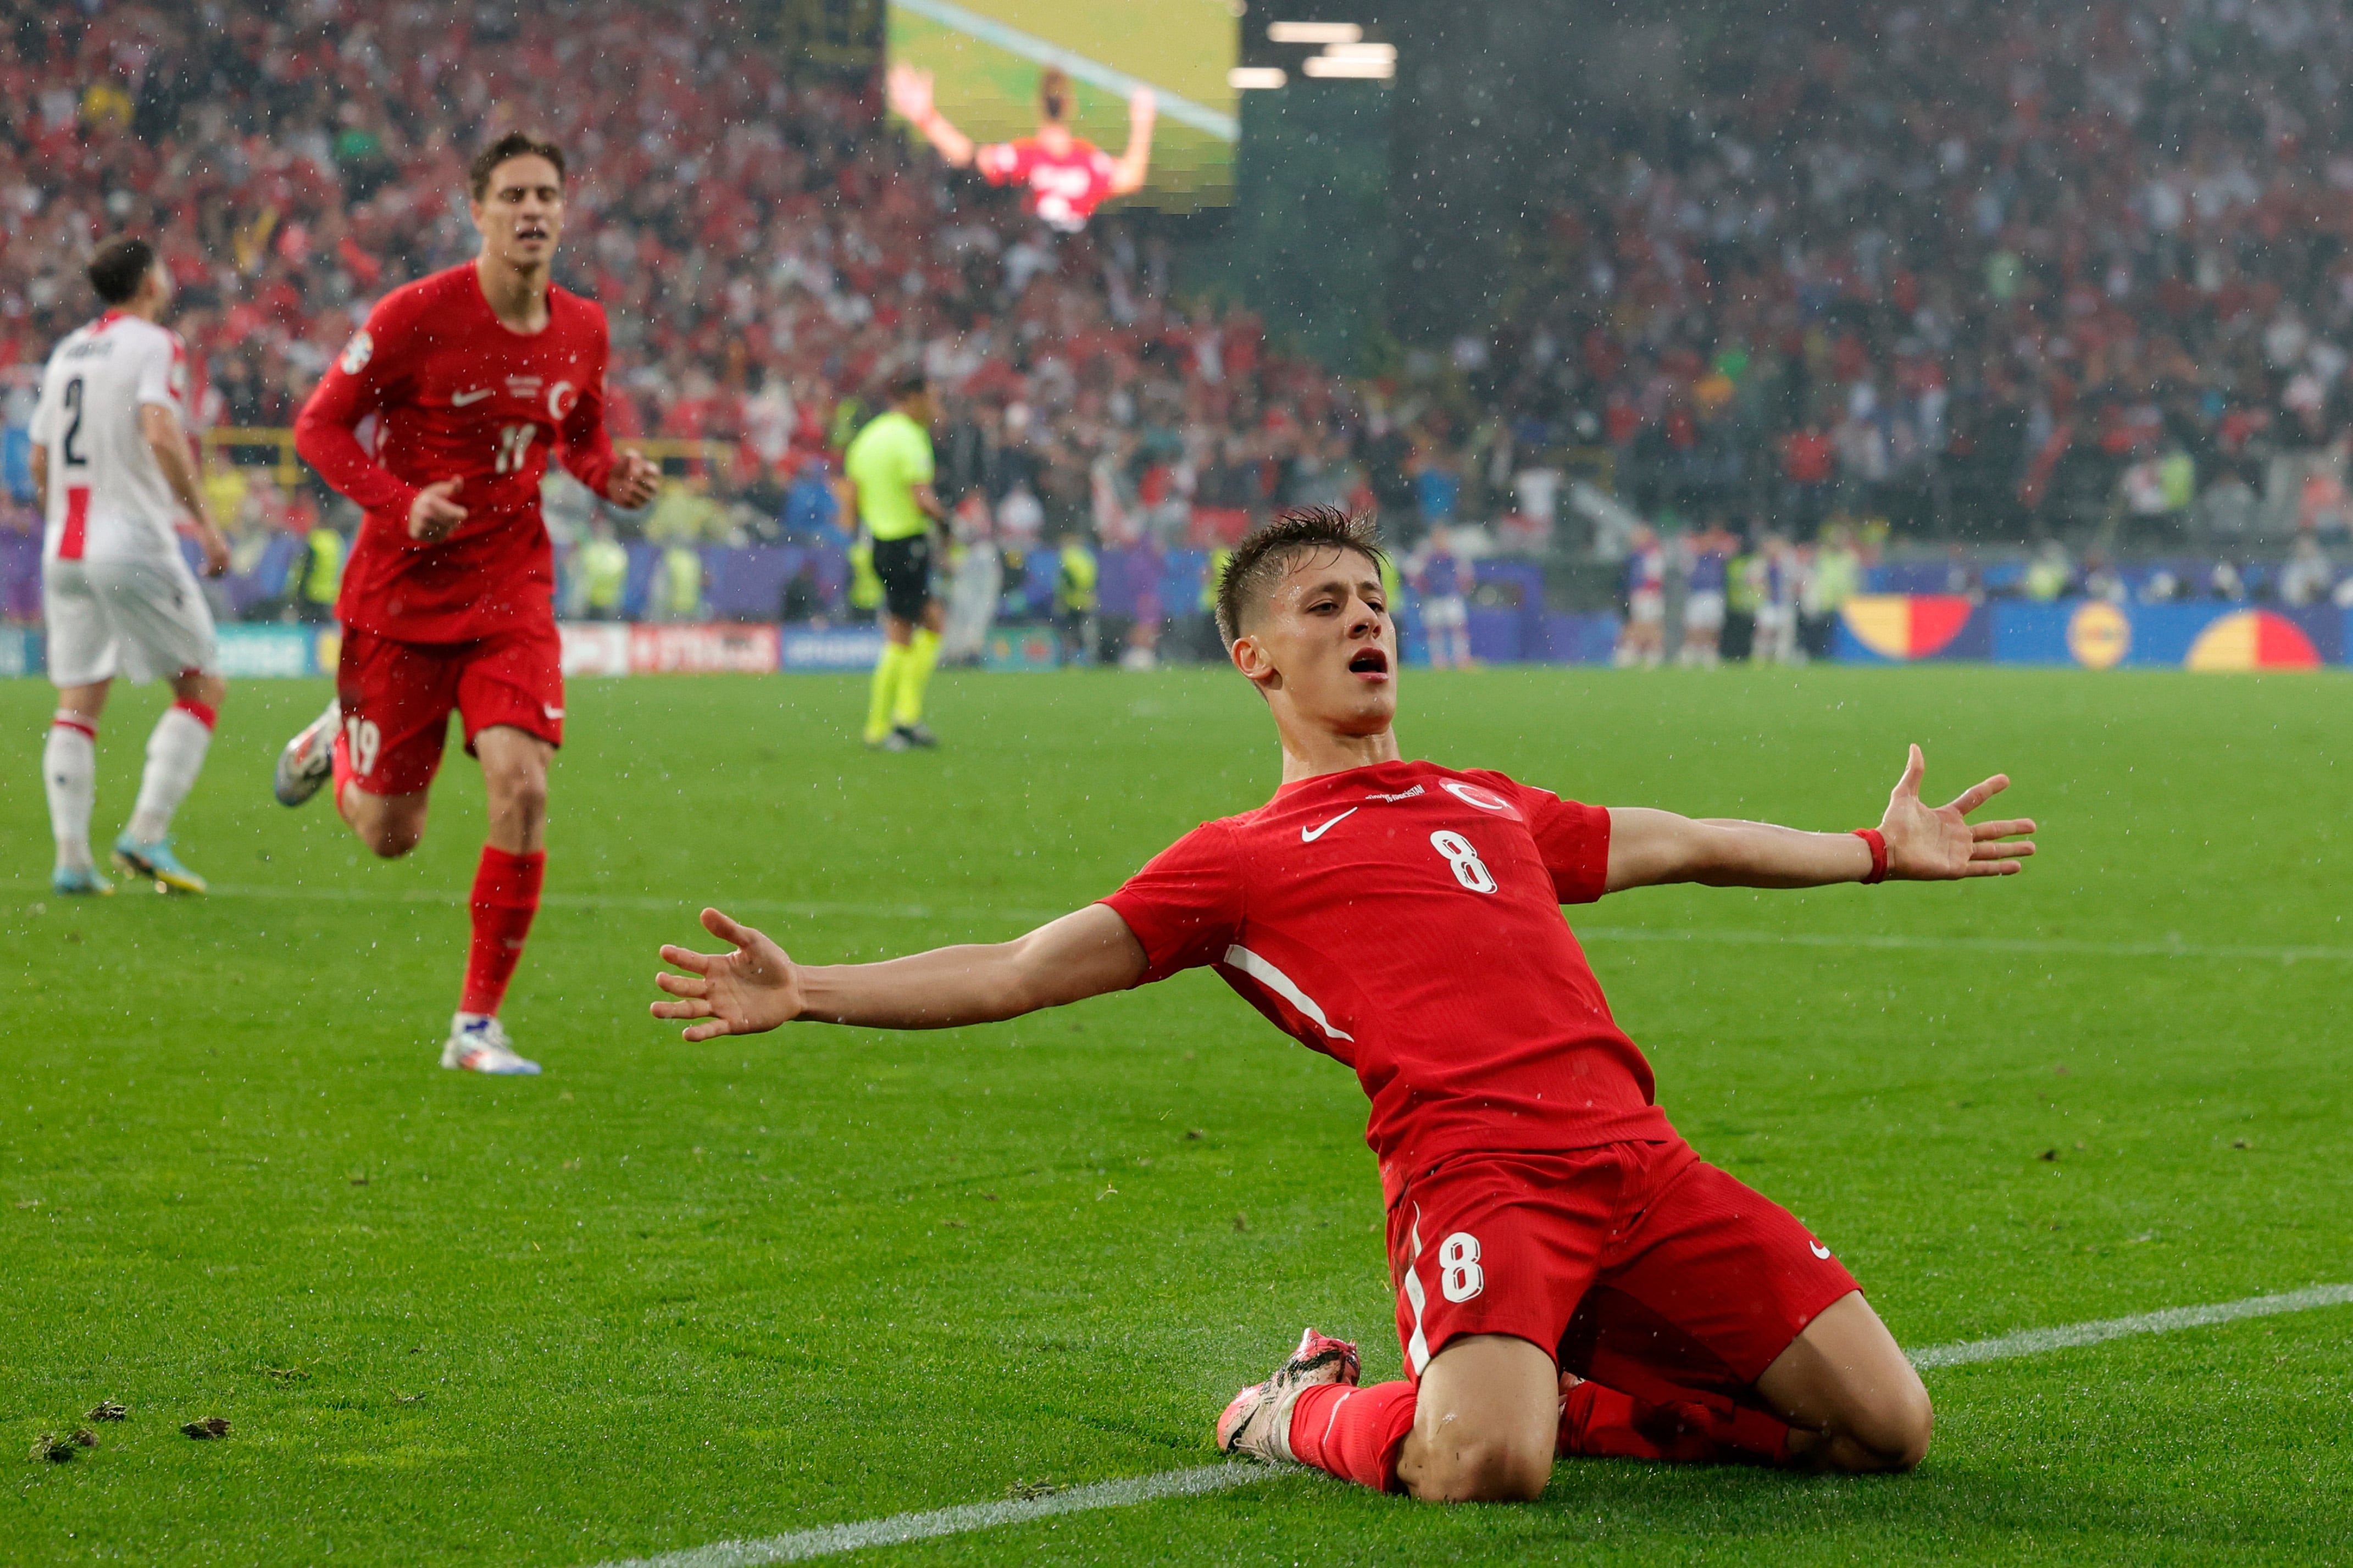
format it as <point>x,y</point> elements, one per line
<point>633,481</point>
<point>1938,845</point>
<point>911,92</point>
<point>746,992</point>
<point>434,514</point>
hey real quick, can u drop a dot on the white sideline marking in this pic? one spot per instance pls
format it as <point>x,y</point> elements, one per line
<point>826,1541</point>
<point>819,910</point>
<point>2034,1341</point>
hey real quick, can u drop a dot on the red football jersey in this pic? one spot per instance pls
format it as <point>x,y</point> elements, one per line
<point>1064,189</point>
<point>1405,919</point>
<point>458,394</point>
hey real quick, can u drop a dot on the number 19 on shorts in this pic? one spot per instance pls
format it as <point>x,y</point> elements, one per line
<point>362,740</point>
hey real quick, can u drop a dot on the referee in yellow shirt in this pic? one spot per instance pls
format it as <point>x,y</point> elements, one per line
<point>889,467</point>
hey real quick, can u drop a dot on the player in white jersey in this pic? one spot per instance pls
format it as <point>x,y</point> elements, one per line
<point>111,463</point>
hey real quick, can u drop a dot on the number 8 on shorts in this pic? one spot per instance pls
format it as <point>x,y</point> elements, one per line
<point>1458,1274</point>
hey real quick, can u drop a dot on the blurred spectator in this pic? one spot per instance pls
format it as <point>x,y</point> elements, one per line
<point>603,572</point>
<point>1078,577</point>
<point>676,593</point>
<point>1441,580</point>
<point>2307,578</point>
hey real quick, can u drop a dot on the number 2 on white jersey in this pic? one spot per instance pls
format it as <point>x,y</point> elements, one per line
<point>1469,870</point>
<point>514,440</point>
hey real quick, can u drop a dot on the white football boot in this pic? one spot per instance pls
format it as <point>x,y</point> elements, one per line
<point>308,759</point>
<point>477,1044</point>
<point>1258,1422</point>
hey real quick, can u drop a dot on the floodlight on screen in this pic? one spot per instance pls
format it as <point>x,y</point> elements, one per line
<point>1313,33</point>
<point>1360,52</point>
<point>1326,68</point>
<point>1245,78</point>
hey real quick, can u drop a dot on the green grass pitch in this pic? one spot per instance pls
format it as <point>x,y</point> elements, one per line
<point>667,1294</point>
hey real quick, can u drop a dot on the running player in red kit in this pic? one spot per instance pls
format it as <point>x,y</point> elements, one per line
<point>1570,1277</point>
<point>474,377</point>
<point>1066,177</point>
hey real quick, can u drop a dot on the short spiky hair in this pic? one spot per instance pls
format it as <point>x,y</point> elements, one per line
<point>1260,561</point>
<point>513,144</point>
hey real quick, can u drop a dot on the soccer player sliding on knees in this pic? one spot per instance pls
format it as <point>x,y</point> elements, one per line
<point>1570,1277</point>
<point>473,377</point>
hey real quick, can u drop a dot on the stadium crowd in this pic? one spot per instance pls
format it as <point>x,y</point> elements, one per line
<point>1984,260</point>
<point>2012,266</point>
<point>767,252</point>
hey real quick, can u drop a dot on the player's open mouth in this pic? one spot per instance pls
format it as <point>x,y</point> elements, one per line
<point>1370,661</point>
<point>531,231</point>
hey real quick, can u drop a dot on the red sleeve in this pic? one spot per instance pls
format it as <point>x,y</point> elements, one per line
<point>587,446</point>
<point>1186,906</point>
<point>1573,837</point>
<point>355,386</point>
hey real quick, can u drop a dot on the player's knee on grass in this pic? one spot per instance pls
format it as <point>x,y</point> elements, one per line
<point>1482,1467</point>
<point>1892,1429</point>
<point>1486,1423</point>
<point>1845,1384</point>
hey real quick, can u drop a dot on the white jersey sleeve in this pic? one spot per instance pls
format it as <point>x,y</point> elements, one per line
<point>108,497</point>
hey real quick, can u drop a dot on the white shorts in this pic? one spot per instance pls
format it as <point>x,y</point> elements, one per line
<point>138,619</point>
<point>1445,613</point>
<point>1704,611</point>
<point>1647,607</point>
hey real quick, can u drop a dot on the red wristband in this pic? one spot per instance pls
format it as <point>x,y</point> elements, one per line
<point>1878,842</point>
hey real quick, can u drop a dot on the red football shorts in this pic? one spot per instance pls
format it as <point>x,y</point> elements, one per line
<point>397,697</point>
<point>1637,1264</point>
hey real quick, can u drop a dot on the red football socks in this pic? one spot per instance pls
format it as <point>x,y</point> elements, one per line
<point>1603,1424</point>
<point>506,896</point>
<point>1354,1433</point>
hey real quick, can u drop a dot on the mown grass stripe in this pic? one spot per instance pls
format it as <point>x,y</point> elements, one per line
<point>826,1541</point>
<point>814,909</point>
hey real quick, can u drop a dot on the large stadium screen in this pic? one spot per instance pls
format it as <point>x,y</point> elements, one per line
<point>985,56</point>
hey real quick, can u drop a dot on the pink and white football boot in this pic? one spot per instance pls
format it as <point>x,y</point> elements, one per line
<point>1258,1422</point>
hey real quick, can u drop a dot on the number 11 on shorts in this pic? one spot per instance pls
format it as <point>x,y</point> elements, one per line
<point>361,739</point>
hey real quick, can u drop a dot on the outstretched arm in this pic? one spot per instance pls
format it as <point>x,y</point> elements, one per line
<point>757,986</point>
<point>1127,174</point>
<point>911,96</point>
<point>1926,845</point>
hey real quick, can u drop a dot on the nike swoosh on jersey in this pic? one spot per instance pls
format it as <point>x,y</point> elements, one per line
<point>1309,835</point>
<point>1818,1249</point>
<point>558,713</point>
<point>460,399</point>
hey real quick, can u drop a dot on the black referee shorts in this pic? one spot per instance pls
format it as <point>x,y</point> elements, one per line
<point>905,567</point>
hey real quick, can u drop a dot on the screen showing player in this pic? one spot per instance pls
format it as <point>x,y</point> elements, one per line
<point>985,61</point>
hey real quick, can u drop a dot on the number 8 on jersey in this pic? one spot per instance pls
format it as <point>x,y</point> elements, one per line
<point>1469,870</point>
